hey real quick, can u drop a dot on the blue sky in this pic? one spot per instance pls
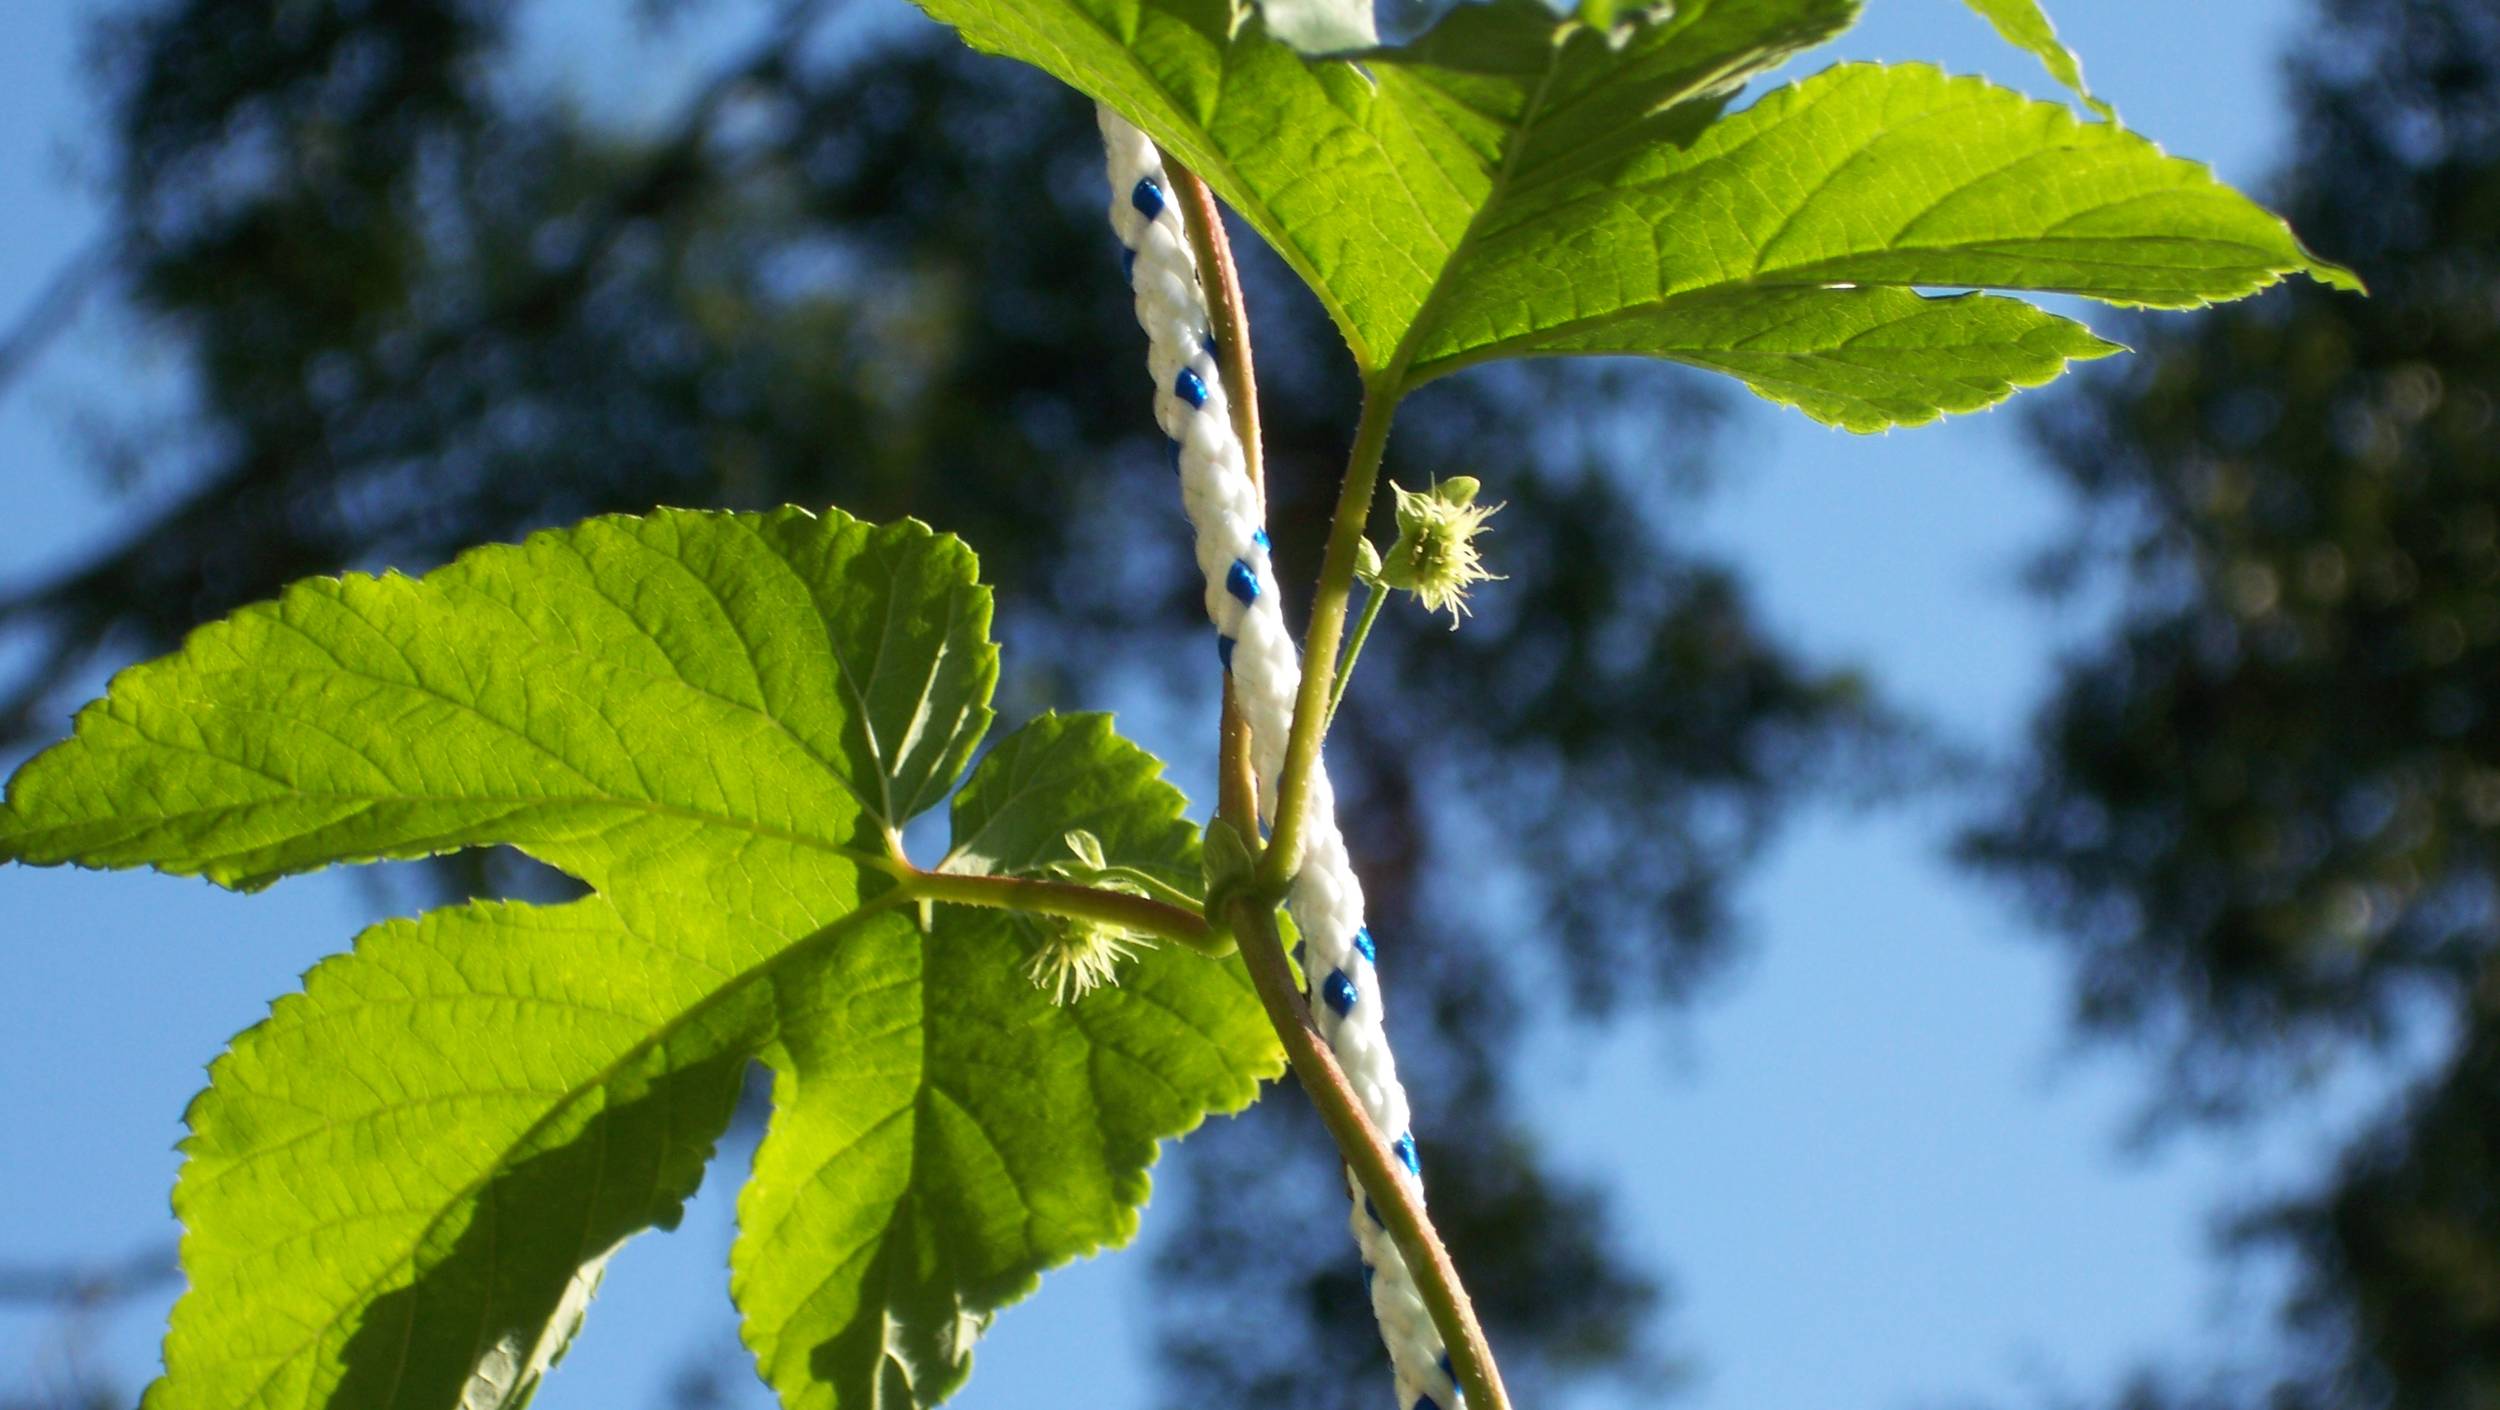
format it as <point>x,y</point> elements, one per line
<point>1873,1175</point>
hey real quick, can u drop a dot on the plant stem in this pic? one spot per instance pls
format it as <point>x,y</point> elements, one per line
<point>1367,1154</point>
<point>1237,788</point>
<point>1142,914</point>
<point>1221,280</point>
<point>1363,1147</point>
<point>1319,645</point>
<point>1373,596</point>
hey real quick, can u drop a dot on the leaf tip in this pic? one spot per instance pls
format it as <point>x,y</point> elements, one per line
<point>2092,347</point>
<point>2335,276</point>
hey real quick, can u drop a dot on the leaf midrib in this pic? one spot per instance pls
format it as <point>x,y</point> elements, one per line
<point>1799,277</point>
<point>417,684</point>
<point>1397,375</point>
<point>2138,290</point>
<point>874,861</point>
<point>1401,377</point>
<point>760,707</point>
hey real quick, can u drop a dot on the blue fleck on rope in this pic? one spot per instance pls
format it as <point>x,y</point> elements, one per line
<point>1258,652</point>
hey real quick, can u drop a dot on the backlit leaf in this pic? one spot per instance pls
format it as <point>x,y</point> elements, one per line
<point>2026,26</point>
<point>401,1188</point>
<point>1515,183</point>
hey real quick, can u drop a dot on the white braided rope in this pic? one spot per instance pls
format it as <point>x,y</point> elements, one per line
<point>1327,901</point>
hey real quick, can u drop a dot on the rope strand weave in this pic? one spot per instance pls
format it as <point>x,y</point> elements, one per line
<point>1224,508</point>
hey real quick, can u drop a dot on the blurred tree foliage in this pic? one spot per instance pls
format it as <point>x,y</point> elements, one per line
<point>2266,811</point>
<point>424,299</point>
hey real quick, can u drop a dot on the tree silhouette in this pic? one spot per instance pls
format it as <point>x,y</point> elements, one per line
<point>2265,812</point>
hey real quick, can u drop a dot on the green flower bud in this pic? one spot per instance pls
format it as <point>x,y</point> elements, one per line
<point>1435,556</point>
<point>1225,860</point>
<point>1086,847</point>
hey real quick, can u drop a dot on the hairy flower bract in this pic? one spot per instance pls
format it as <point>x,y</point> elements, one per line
<point>1435,556</point>
<point>1076,957</point>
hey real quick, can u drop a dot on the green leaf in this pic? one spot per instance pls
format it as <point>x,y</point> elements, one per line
<point>1862,175</point>
<point>548,696</point>
<point>908,1187</point>
<point>2026,26</point>
<point>1014,813</point>
<point>1862,359</point>
<point>400,1189</point>
<point>1511,184</point>
<point>1366,176</point>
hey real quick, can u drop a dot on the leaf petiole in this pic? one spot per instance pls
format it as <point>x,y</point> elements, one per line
<point>1322,637</point>
<point>1143,915</point>
<point>1374,595</point>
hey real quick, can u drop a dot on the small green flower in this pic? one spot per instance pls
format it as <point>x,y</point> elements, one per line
<point>1435,556</point>
<point>1076,957</point>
